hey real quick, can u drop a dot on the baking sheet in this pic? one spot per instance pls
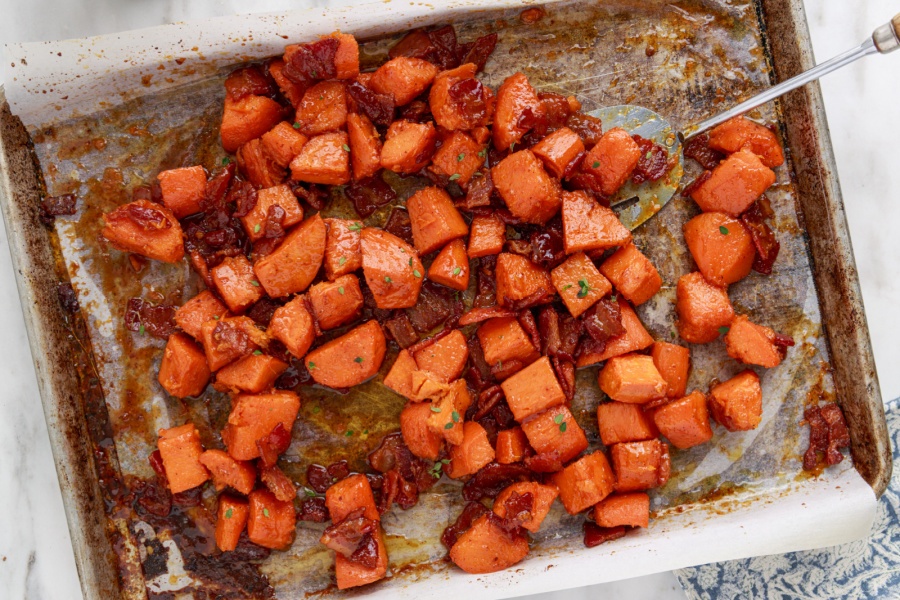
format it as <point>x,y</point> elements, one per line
<point>101,157</point>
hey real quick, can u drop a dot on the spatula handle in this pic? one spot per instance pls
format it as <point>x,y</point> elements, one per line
<point>887,37</point>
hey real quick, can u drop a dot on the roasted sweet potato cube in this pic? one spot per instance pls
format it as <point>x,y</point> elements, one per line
<point>451,114</point>
<point>448,410</point>
<point>632,378</point>
<point>231,520</point>
<point>512,446</point>
<point>351,574</point>
<point>197,311</point>
<point>323,108</point>
<point>336,302</point>
<point>253,417</point>
<point>632,274</point>
<point>740,132</point>
<point>589,226</point>
<point>474,452</point>
<point>435,220</point>
<point>620,422</point>
<point>519,278</point>
<point>292,90</point>
<point>503,340</point>
<point>183,190</point>
<point>533,389</point>
<point>145,228</point>
<point>292,325</point>
<point>721,247</point>
<point>236,283</point>
<point>445,358</point>
<point>183,371</point>
<point>294,263</point>
<point>227,339</point>
<point>630,510</point>
<point>392,269</point>
<point>365,146</point>
<point>514,98</point>
<point>559,150</point>
<point>674,363</point>
<point>752,344</point>
<point>279,196</point>
<point>635,338</point>
<point>254,373</point>
<point>403,78</point>
<point>451,266</point>
<point>640,465</point>
<point>585,482</point>
<point>257,166</point>
<point>180,450</point>
<point>542,499</point>
<point>399,378</point>
<point>228,472</point>
<point>555,429</point>
<point>346,59</point>
<point>528,191</point>
<point>421,440</point>
<point>735,184</point>
<point>350,494</point>
<point>458,158</point>
<point>342,251</point>
<point>487,235</point>
<point>408,146</point>
<point>486,548</point>
<point>282,143</point>
<point>323,159</point>
<point>703,309</point>
<point>247,119</point>
<point>736,404</point>
<point>579,283</point>
<point>684,422</point>
<point>272,522</point>
<point>350,359</point>
<point>612,160</point>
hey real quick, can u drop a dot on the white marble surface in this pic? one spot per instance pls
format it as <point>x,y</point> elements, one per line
<point>35,555</point>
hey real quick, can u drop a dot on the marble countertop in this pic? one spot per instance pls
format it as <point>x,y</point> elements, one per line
<point>36,559</point>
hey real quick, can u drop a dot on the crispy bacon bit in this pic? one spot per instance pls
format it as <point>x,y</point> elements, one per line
<point>416,44</point>
<point>477,315</point>
<point>695,184</point>
<point>468,97</point>
<point>273,445</point>
<point>396,489</point>
<point>309,62</point>
<point>405,475</point>
<point>538,297</point>
<point>518,511</point>
<point>492,479</point>
<point>783,342</point>
<point>446,54</point>
<point>56,206</point>
<point>547,245</point>
<point>654,161</point>
<point>479,192</point>
<point>417,112</point>
<point>828,433</point>
<point>767,247</point>
<point>486,284</point>
<point>313,195</point>
<point>318,479</point>
<point>698,149</point>
<point>313,510</point>
<point>469,514</point>
<point>141,316</point>
<point>249,81</point>
<point>480,50</point>
<point>149,219</point>
<point>546,462</point>
<point>378,107</point>
<point>217,187</point>
<point>243,194</point>
<point>345,537</point>
<point>603,320</point>
<point>399,224</point>
<point>228,335</point>
<point>436,305</point>
<point>262,311</point>
<point>589,128</point>
<point>366,554</point>
<point>367,195</point>
<point>67,298</point>
<point>594,535</point>
<point>401,330</point>
<point>278,483</point>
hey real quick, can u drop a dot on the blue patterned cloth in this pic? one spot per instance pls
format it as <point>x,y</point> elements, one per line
<point>866,569</point>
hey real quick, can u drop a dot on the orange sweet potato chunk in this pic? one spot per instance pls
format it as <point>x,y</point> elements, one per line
<point>408,146</point>
<point>350,359</point>
<point>612,160</point>
<point>452,115</point>
<point>458,158</point>
<point>145,228</point>
<point>630,510</point>
<point>451,266</point>
<point>485,548</point>
<point>421,440</point>
<point>740,132</point>
<point>254,373</point>
<point>292,90</point>
<point>585,482</point>
<point>342,251</point>
<point>589,226</point>
<point>253,417</point>
<point>721,247</point>
<point>579,283</point>
<point>279,196</point>
<point>231,520</point>
<point>519,278</point>
<point>365,146</point>
<point>632,378</point>
<point>474,452</point>
<point>392,269</point>
<point>533,389</point>
<point>504,340</point>
<point>735,184</point>
<point>403,78</point>
<point>635,338</point>
<point>752,344</point>
<point>632,274</point>
<point>640,465</point>
<point>257,166</point>
<point>346,59</point>
<point>236,283</point>
<point>336,302</point>
<point>399,378</point>
<point>514,97</point>
<point>323,159</point>
<point>512,446</point>
<point>292,325</point>
<point>350,494</point>
<point>555,429</point>
<point>674,363</point>
<point>180,450</point>
<point>283,143</point>
<point>272,523</point>
<point>528,191</point>
<point>228,472</point>
<point>351,574</point>
<point>445,358</point>
<point>197,311</point>
<point>702,309</point>
<point>620,422</point>
<point>226,340</point>
<point>294,264</point>
<point>183,371</point>
<point>247,119</point>
<point>434,219</point>
<point>559,150</point>
<point>736,404</point>
<point>448,409</point>
<point>183,189</point>
<point>542,499</point>
<point>487,236</point>
<point>323,108</point>
<point>684,422</point>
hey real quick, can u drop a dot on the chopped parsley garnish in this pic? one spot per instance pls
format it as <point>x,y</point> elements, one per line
<point>388,279</point>
<point>723,230</point>
<point>454,177</point>
<point>562,427</point>
<point>355,227</point>
<point>567,286</point>
<point>226,160</point>
<point>256,228</point>
<point>257,352</point>
<point>437,468</point>
<point>457,270</point>
<point>229,513</point>
<point>342,260</point>
<point>266,512</point>
<point>613,298</point>
<point>349,433</point>
<point>358,360</point>
<point>435,409</point>
<point>310,365</point>
<point>482,153</point>
<point>346,148</point>
<point>416,273</point>
<point>723,330</point>
<point>584,288</point>
<point>461,157</point>
<point>341,290</point>
<point>448,426</point>
<point>596,164</point>
<point>296,125</point>
<point>309,493</point>
<point>254,283</point>
<point>410,261</point>
<point>141,329</point>
<point>558,419</point>
<point>455,416</point>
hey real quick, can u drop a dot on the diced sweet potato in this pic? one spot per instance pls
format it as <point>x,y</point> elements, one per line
<point>280,196</point>
<point>533,389</point>
<point>336,302</point>
<point>145,228</point>
<point>230,521</point>
<point>702,309</point>
<point>674,363</point>
<point>630,510</point>
<point>640,465</point>
<point>740,132</point>
<point>474,452</point>
<point>721,247</point>
<point>349,494</point>
<point>180,450</point>
<point>752,344</point>
<point>254,373</point>
<point>399,378</point>
<point>350,359</point>
<point>503,340</point>
<point>403,78</point>
<point>445,358</point>
<point>292,90</point>
<point>453,115</point>
<point>293,326</point>
<point>559,150</point>
<point>485,548</point>
<point>183,189</point>
<point>448,410</point>
<point>620,422</point>
<point>342,252</point>
<point>632,378</point>
<point>542,499</point>
<point>528,191</point>
<point>612,160</point>
<point>294,264</point>
<point>555,429</point>
<point>365,146</point>
<point>197,311</point>
<point>408,146</point>
<point>589,226</point>
<point>236,283</point>
<point>323,108</point>
<point>736,404</point>
<point>514,98</point>
<point>183,371</point>
<point>253,417</point>
<point>512,446</point>
<point>518,278</point>
<point>247,119</point>
<point>435,221</point>
<point>283,143</point>
<point>735,184</point>
<point>228,472</point>
<point>579,283</point>
<point>272,522</point>
<point>585,482</point>
<point>257,166</point>
<point>451,266</point>
<point>684,422</point>
<point>635,338</point>
<point>632,274</point>
<point>487,234</point>
<point>421,440</point>
<point>393,271</point>
<point>351,574</point>
<point>458,158</point>
<point>323,159</point>
<point>346,59</point>
<point>226,340</point>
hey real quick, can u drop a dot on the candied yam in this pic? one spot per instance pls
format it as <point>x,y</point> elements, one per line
<point>458,158</point>
<point>487,235</point>
<point>228,472</point>
<point>674,364</point>
<point>292,90</point>
<point>435,221</point>
<point>542,499</point>
<point>620,422</point>
<point>486,548</point>
<point>635,338</point>
<point>390,266</point>
<point>585,482</point>
<point>236,283</point>
<point>612,160</point>
<point>408,146</point>
<point>632,274</point>
<point>589,226</point>
<point>721,247</point>
<point>323,108</point>
<point>365,146</point>
<point>337,302</point>
<point>528,191</point>
<point>685,421</point>
<point>579,283</point>
<point>272,522</point>
<point>451,266</point>
<point>323,159</point>
<point>399,378</point>
<point>346,57</point>
<point>342,251</point>
<point>533,389</point>
<point>350,494</point>
<point>740,132</point>
<point>403,78</point>
<point>512,446</point>
<point>640,465</point>
<point>752,344</point>
<point>254,373</point>
<point>145,228</point>
<point>282,143</point>
<point>559,151</point>
<point>555,429</point>
<point>629,510</point>
<point>421,440</point>
<point>253,417</point>
<point>351,574</point>
<point>703,309</point>
<point>736,404</point>
<point>226,340</point>
<point>247,119</point>
<point>504,340</point>
<point>257,166</point>
<point>183,190</point>
<point>183,371</point>
<point>515,99</point>
<point>231,520</point>
<point>458,101</point>
<point>292,266</point>
<point>448,409</point>
<point>445,358</point>
<point>632,378</point>
<point>197,311</point>
<point>350,359</point>
<point>735,184</point>
<point>518,278</point>
<point>180,450</point>
<point>279,196</point>
<point>474,452</point>
<point>293,326</point>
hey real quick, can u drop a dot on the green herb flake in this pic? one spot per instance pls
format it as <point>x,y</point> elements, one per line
<point>448,426</point>
<point>349,433</point>
<point>723,330</point>
<point>410,261</point>
<point>416,273</point>
<point>310,365</point>
<point>342,260</point>
<point>437,468</point>
<point>613,298</point>
<point>309,493</point>
<point>317,410</point>
<point>216,317</point>
<point>455,416</point>
<point>225,161</point>
<point>454,177</point>
<point>257,352</point>
<point>341,290</point>
<point>358,360</point>
<point>256,228</point>
<point>461,157</point>
<point>355,226</point>
<point>229,513</point>
<point>254,283</point>
<point>649,155</point>
<point>388,279</point>
<point>346,148</point>
<point>584,288</point>
<point>365,432</point>
<point>567,286</point>
<point>559,419</point>
<point>512,147</point>
<point>435,409</point>
<point>723,230</point>
<point>457,270</point>
<point>315,74</point>
<point>562,427</point>
<point>142,330</point>
<point>482,153</point>
<point>596,164</point>
<point>296,125</point>
<point>266,512</point>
